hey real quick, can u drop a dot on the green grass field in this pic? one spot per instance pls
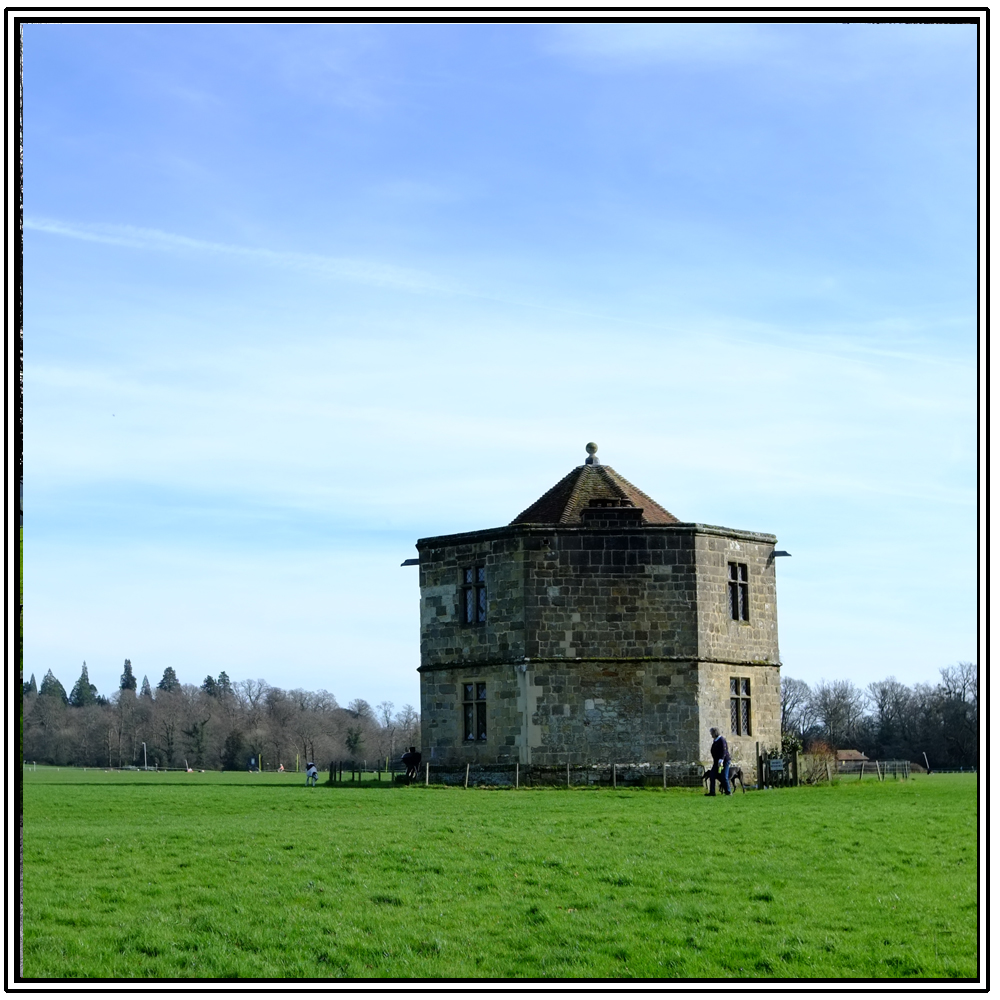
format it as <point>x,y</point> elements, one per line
<point>235,875</point>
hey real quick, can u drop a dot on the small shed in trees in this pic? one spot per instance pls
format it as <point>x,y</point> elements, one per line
<point>597,627</point>
<point>850,758</point>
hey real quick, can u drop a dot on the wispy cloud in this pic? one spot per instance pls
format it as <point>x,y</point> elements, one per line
<point>902,338</point>
<point>650,43</point>
<point>844,52</point>
<point>353,269</point>
<point>336,65</point>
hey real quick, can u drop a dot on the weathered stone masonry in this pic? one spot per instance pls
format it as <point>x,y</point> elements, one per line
<point>609,634</point>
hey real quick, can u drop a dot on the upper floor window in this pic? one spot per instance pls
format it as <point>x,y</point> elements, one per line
<point>474,595</point>
<point>739,592</point>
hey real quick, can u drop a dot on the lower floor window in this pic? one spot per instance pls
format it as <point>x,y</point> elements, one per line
<point>739,706</point>
<point>475,711</point>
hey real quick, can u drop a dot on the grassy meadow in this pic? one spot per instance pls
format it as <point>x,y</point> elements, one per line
<point>134,875</point>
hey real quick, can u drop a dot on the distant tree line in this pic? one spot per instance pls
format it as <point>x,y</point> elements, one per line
<point>888,720</point>
<point>218,725</point>
<point>222,724</point>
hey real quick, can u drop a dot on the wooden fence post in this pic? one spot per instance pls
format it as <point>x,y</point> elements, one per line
<point>862,774</point>
<point>664,774</point>
<point>517,774</point>
<point>567,772</point>
<point>829,776</point>
<point>614,775</point>
<point>466,775</point>
<point>427,774</point>
<point>795,761</point>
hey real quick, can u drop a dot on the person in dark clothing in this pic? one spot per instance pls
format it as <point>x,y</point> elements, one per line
<point>411,760</point>
<point>720,763</point>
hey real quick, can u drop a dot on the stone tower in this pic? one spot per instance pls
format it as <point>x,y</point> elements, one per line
<point>597,627</point>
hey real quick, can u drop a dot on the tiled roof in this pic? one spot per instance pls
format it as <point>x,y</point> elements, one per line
<point>564,502</point>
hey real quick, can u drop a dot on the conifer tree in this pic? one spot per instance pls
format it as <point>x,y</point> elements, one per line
<point>197,741</point>
<point>83,693</point>
<point>51,688</point>
<point>31,687</point>
<point>234,752</point>
<point>145,691</point>
<point>169,682</point>
<point>128,679</point>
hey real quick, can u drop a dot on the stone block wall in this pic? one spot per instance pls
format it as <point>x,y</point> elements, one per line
<point>629,593</point>
<point>603,643</point>
<point>565,592</point>
<point>593,711</point>
<point>444,637</point>
<point>765,708</point>
<point>442,719</point>
<point>585,712</point>
<point>719,636</point>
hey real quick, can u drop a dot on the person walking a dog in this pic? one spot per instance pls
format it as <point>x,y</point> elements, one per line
<point>411,761</point>
<point>720,763</point>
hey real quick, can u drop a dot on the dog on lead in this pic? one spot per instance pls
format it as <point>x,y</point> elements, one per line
<point>735,774</point>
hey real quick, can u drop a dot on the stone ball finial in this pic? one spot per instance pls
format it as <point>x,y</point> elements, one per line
<point>592,458</point>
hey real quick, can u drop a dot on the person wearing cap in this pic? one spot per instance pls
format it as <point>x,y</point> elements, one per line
<point>720,763</point>
<point>311,774</point>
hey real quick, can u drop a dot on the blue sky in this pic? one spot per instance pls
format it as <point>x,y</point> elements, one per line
<point>298,295</point>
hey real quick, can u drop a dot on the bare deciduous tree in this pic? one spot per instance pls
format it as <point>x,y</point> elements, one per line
<point>838,707</point>
<point>408,726</point>
<point>387,723</point>
<point>796,697</point>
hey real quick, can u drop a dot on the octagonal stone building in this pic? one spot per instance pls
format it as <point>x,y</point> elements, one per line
<point>597,627</point>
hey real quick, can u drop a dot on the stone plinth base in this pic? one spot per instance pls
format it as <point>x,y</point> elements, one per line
<point>536,776</point>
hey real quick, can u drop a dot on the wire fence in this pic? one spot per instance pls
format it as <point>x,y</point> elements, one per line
<point>880,769</point>
<point>954,770</point>
<point>772,773</point>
